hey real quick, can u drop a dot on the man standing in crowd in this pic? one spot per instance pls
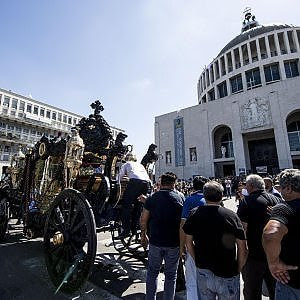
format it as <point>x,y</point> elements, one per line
<point>194,200</point>
<point>281,238</point>
<point>254,214</point>
<point>139,183</point>
<point>162,214</point>
<point>213,232</point>
<point>228,187</point>
<point>270,187</point>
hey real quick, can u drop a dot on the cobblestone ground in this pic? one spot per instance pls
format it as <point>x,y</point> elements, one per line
<point>23,274</point>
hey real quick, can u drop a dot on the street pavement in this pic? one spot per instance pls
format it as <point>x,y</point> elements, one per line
<point>23,273</point>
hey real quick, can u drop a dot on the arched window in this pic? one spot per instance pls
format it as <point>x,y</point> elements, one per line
<point>226,141</point>
<point>294,135</point>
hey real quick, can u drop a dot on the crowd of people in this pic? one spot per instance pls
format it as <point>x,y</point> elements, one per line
<point>186,220</point>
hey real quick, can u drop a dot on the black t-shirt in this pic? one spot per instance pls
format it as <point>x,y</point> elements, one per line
<point>165,207</point>
<point>215,230</point>
<point>288,213</point>
<point>253,210</point>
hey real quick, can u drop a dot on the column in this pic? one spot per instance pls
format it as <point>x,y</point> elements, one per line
<point>226,63</point>
<point>241,56</point>
<point>249,52</point>
<point>244,80</point>
<point>267,46</point>
<point>277,46</point>
<point>262,75</point>
<point>280,134</point>
<point>233,60</point>
<point>219,67</point>
<point>282,70</point>
<point>286,41</point>
<point>296,41</point>
<point>258,49</point>
<point>215,70</point>
<point>238,142</point>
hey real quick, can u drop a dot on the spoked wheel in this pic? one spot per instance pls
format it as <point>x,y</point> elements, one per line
<point>70,241</point>
<point>3,215</point>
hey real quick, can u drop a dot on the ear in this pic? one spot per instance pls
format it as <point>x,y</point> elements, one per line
<point>289,189</point>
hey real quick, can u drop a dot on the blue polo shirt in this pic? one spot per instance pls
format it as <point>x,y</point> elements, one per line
<point>194,200</point>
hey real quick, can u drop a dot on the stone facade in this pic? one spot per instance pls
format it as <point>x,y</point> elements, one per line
<point>251,122</point>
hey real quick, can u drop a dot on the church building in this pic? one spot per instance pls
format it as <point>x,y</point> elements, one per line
<point>247,119</point>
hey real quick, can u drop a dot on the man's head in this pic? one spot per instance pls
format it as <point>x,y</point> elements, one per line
<point>198,183</point>
<point>268,184</point>
<point>168,180</point>
<point>289,181</point>
<point>254,183</point>
<point>213,192</point>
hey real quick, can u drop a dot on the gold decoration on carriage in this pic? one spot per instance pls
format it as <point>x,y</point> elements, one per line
<point>73,157</point>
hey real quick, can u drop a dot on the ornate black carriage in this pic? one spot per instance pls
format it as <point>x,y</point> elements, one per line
<point>67,190</point>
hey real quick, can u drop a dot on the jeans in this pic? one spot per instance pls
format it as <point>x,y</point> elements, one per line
<point>155,257</point>
<point>254,272</point>
<point>190,278</point>
<point>211,286</point>
<point>286,292</point>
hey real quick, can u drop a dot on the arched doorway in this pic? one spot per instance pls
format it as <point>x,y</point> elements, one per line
<point>223,152</point>
<point>293,130</point>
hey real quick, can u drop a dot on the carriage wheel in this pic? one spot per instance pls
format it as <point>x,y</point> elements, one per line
<point>3,216</point>
<point>70,241</point>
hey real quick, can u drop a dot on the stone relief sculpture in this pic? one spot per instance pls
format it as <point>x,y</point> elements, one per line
<point>255,113</point>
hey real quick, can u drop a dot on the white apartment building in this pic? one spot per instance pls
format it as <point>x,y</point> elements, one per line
<point>24,120</point>
<point>248,113</point>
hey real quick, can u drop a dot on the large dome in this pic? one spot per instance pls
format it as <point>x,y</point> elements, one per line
<point>252,33</point>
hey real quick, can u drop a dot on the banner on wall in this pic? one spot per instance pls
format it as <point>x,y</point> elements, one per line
<point>179,142</point>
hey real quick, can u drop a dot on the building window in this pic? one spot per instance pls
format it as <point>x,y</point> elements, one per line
<point>6,101</point>
<point>236,84</point>
<point>193,154</point>
<point>74,121</point>
<point>18,129</point>
<point>253,78</point>
<point>211,95</point>
<point>70,120</point>
<point>14,103</point>
<point>291,69</point>
<point>168,158</point>
<point>42,112</point>
<point>10,127</point>
<point>22,106</point>
<point>33,132</point>
<point>36,110</point>
<point>294,135</point>
<point>65,119</point>
<point>226,142</point>
<point>222,88</point>
<point>48,114</point>
<point>25,130</point>
<point>29,108</point>
<point>272,72</point>
<point>53,115</point>
<point>59,116</point>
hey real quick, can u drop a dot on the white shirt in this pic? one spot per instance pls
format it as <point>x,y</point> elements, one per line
<point>133,170</point>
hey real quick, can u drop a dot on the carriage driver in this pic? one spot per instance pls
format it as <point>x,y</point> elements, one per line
<point>139,183</point>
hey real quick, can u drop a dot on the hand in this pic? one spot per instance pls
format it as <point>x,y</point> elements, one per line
<point>142,198</point>
<point>144,241</point>
<point>280,272</point>
<point>182,252</point>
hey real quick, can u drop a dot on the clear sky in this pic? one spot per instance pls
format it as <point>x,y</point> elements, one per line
<point>141,58</point>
